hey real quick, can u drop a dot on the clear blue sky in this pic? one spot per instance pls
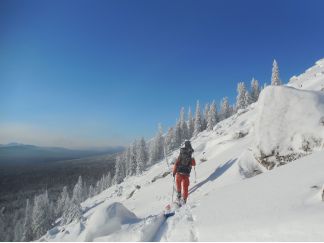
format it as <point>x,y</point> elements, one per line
<point>96,73</point>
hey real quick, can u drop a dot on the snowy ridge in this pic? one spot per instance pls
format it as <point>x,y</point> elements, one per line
<point>227,201</point>
<point>312,79</point>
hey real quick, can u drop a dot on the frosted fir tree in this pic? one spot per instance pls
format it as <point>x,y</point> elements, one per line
<point>191,124</point>
<point>225,109</point>
<point>41,221</point>
<point>118,170</point>
<point>127,158</point>
<point>241,102</point>
<point>177,134</point>
<point>212,117</point>
<point>198,120</point>
<point>73,212</point>
<point>170,141</point>
<point>78,191</point>
<point>27,229</point>
<point>255,90</point>
<point>183,126</point>
<point>132,161</point>
<point>248,99</point>
<point>205,119</point>
<point>62,202</point>
<point>275,80</point>
<point>142,156</point>
<point>92,191</point>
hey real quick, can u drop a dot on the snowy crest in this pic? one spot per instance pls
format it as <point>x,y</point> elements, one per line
<point>289,123</point>
<point>312,79</point>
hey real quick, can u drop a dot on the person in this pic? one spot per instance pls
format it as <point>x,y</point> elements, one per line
<point>182,169</point>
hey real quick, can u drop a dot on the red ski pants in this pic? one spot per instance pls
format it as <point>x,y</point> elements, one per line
<point>182,182</point>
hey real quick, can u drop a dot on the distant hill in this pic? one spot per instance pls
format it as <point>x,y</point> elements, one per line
<point>14,153</point>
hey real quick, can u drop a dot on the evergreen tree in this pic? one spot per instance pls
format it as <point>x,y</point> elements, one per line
<point>198,120</point>
<point>248,99</point>
<point>205,119</point>
<point>62,202</point>
<point>2,224</point>
<point>183,126</point>
<point>72,212</point>
<point>142,156</point>
<point>212,117</point>
<point>255,90</point>
<point>92,191</point>
<point>191,124</point>
<point>225,109</point>
<point>133,156</point>
<point>170,141</point>
<point>275,80</point>
<point>40,218</point>
<point>241,101</point>
<point>27,229</point>
<point>118,170</point>
<point>78,191</point>
<point>177,137</point>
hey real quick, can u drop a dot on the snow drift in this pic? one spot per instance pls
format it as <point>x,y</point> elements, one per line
<point>289,124</point>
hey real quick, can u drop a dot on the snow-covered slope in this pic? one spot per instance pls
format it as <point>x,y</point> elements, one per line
<point>312,79</point>
<point>232,196</point>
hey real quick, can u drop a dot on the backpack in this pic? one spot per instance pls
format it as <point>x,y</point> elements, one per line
<point>185,160</point>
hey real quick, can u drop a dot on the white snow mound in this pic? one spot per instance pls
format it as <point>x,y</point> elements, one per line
<point>288,121</point>
<point>107,220</point>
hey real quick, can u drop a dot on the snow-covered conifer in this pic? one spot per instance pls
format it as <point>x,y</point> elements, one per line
<point>212,116</point>
<point>78,191</point>
<point>255,90</point>
<point>183,125</point>
<point>170,140</point>
<point>177,134</point>
<point>142,156</point>
<point>198,120</point>
<point>41,221</point>
<point>241,102</point>
<point>191,124</point>
<point>275,80</point>
<point>27,229</point>
<point>205,118</point>
<point>248,99</point>
<point>118,170</point>
<point>225,109</point>
<point>62,202</point>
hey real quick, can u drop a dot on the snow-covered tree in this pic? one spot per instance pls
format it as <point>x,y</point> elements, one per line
<point>132,159</point>
<point>170,140</point>
<point>62,202</point>
<point>78,191</point>
<point>248,99</point>
<point>159,144</point>
<point>191,124</point>
<point>198,120</point>
<point>212,117</point>
<point>205,119</point>
<point>72,212</point>
<point>142,156</point>
<point>92,191</point>
<point>241,101</point>
<point>255,90</point>
<point>27,229</point>
<point>177,134</point>
<point>183,125</point>
<point>41,221</point>
<point>275,80</point>
<point>225,109</point>
<point>118,170</point>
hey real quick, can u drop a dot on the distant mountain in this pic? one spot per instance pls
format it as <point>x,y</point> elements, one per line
<point>13,153</point>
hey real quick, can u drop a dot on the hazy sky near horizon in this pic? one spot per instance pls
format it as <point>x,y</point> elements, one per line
<point>100,73</point>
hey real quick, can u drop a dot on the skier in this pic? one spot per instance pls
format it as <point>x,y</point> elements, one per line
<point>182,169</point>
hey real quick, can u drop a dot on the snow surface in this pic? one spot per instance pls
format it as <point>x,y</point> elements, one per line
<point>229,199</point>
